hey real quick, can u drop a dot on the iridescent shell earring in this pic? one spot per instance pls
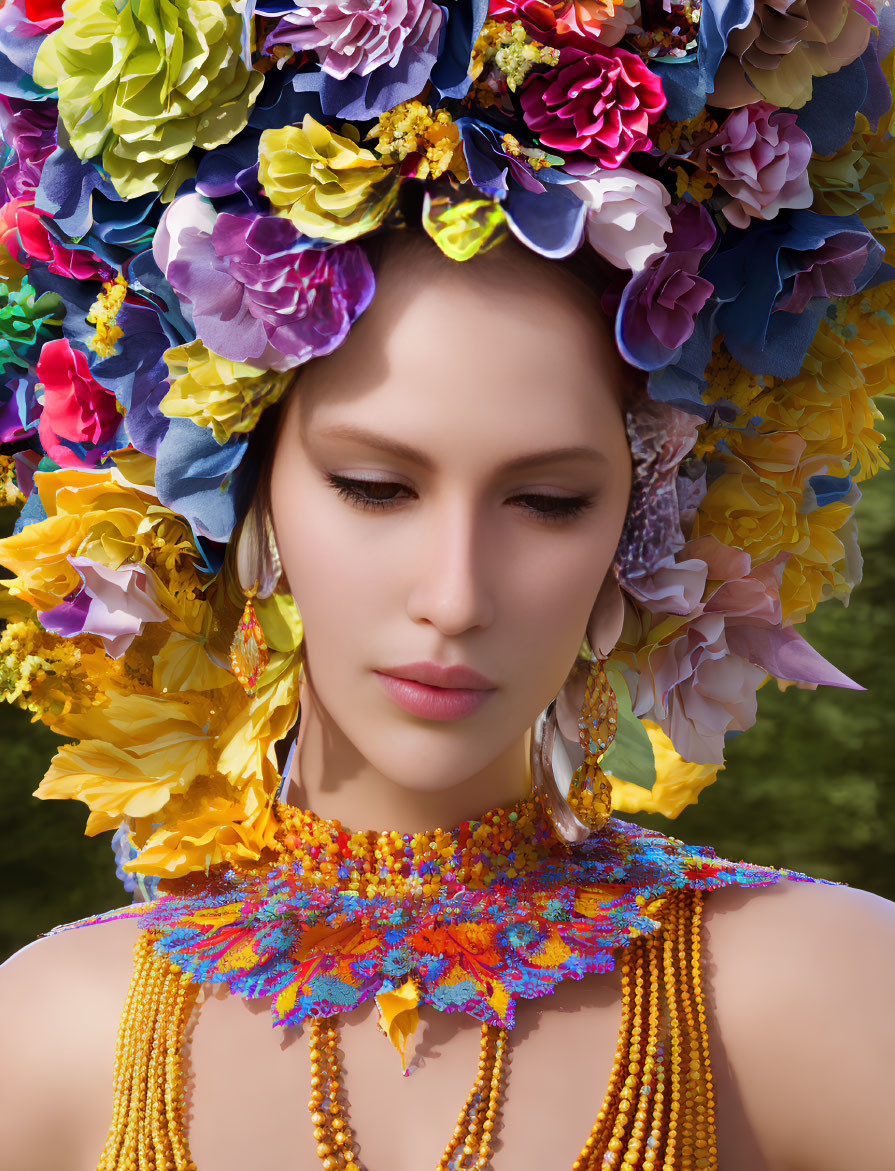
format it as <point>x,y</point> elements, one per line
<point>258,569</point>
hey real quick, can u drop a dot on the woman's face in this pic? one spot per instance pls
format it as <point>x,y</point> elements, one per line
<point>449,487</point>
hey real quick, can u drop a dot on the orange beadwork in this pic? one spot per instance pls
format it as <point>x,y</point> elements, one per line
<point>590,793</point>
<point>657,1113</point>
<point>248,651</point>
<point>505,843</point>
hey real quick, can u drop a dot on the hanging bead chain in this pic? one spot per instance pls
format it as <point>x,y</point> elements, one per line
<point>659,1110</point>
<point>147,1128</point>
<point>476,1122</point>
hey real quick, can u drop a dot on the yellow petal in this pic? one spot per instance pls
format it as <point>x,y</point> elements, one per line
<point>398,1016</point>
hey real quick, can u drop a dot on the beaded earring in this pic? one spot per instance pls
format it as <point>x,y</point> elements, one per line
<point>258,569</point>
<point>576,800</point>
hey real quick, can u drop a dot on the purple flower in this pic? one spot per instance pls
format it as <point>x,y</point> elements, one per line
<point>356,37</point>
<point>113,604</point>
<point>773,282</point>
<point>660,436</point>
<point>29,128</point>
<point>658,306</point>
<point>761,159</point>
<point>256,292</point>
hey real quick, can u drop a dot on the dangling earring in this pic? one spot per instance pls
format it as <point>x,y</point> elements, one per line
<point>258,568</point>
<point>590,793</point>
<point>575,800</point>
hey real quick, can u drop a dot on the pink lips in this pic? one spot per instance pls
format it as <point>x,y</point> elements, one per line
<point>436,693</point>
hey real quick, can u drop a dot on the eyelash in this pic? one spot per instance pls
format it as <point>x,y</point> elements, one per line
<point>566,507</point>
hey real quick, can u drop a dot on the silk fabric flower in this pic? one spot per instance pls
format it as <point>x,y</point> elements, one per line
<point>593,107</point>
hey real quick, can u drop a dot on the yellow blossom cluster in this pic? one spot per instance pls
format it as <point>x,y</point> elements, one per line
<point>163,736</point>
<point>511,50</point>
<point>103,314</point>
<point>412,128</point>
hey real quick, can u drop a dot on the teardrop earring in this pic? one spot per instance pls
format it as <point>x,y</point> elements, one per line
<point>258,569</point>
<point>573,790</point>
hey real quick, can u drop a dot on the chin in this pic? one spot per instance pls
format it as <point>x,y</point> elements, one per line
<point>426,761</point>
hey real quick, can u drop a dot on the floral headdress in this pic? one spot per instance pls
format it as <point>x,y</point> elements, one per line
<point>185,183</point>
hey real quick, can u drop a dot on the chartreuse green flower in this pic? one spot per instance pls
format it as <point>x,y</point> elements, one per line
<point>462,229</point>
<point>216,393</point>
<point>142,82</point>
<point>328,185</point>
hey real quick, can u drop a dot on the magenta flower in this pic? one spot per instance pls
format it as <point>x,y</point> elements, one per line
<point>594,107</point>
<point>761,159</point>
<point>78,413</point>
<point>356,37</point>
<point>29,129</point>
<point>256,293</point>
<point>658,306</point>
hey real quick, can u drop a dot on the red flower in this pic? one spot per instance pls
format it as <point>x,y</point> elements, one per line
<point>46,13</point>
<point>76,407</point>
<point>38,244</point>
<point>596,106</point>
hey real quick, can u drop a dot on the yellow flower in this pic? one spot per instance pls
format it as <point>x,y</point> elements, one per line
<point>325,183</point>
<point>462,229</point>
<point>103,314</point>
<point>819,571</point>
<point>412,128</point>
<point>211,823</point>
<point>751,512</point>
<point>678,781</point>
<point>225,396</point>
<point>89,514</point>
<point>512,50</point>
<point>134,752</point>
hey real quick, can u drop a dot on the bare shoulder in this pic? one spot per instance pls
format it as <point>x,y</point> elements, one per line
<point>799,979</point>
<point>60,1003</point>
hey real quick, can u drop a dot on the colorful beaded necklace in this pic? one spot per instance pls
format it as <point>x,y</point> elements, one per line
<point>464,920</point>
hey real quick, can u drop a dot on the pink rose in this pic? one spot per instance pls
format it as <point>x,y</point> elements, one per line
<point>356,37</point>
<point>761,159</point>
<point>593,107</point>
<point>76,408</point>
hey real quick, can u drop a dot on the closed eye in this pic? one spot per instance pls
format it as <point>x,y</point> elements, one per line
<point>380,495</point>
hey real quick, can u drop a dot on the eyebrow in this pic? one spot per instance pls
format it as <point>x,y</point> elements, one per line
<point>405,451</point>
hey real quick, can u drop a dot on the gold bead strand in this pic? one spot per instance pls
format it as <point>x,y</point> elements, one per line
<point>616,1144</point>
<point>675,1055</point>
<point>493,1103</point>
<point>595,1144</point>
<point>124,1056</point>
<point>691,1072</point>
<point>711,1152</point>
<point>185,992</point>
<point>652,1072</point>
<point>634,1152</point>
<point>473,1098</point>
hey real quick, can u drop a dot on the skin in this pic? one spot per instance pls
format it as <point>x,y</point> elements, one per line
<point>425,578</point>
<point>798,977</point>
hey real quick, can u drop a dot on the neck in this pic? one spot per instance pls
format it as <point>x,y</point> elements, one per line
<point>333,779</point>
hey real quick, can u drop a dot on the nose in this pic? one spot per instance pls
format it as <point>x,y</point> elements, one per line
<point>452,573</point>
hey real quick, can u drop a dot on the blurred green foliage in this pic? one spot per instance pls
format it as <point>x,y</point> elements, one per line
<point>811,788</point>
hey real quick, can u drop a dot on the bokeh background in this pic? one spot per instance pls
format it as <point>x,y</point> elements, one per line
<point>810,788</point>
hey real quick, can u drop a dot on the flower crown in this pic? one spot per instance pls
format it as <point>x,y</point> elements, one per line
<point>184,185</point>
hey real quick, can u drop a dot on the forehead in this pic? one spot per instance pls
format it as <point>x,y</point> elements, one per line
<point>503,345</point>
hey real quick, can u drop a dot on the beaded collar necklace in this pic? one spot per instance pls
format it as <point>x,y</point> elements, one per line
<point>505,844</point>
<point>464,920</point>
